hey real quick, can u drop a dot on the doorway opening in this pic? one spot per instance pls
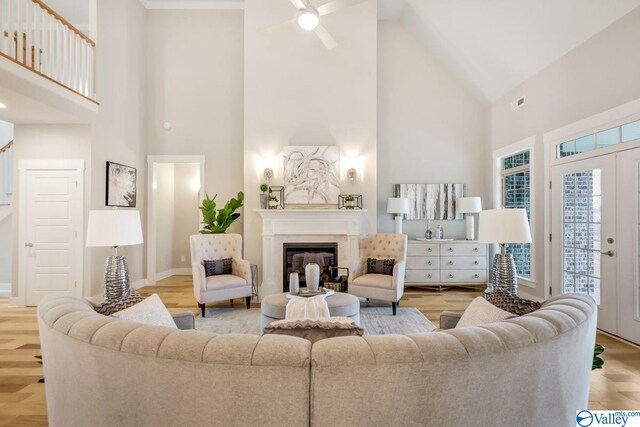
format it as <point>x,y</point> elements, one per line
<point>176,192</point>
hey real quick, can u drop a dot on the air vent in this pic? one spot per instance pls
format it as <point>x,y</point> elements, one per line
<point>517,103</point>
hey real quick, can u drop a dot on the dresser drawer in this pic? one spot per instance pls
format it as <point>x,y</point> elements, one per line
<point>463,249</point>
<point>422,276</point>
<point>423,263</point>
<point>464,276</point>
<point>423,249</point>
<point>463,262</point>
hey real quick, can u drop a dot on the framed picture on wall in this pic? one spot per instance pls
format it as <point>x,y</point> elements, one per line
<point>121,185</point>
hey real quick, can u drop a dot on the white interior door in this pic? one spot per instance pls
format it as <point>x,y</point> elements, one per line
<point>629,245</point>
<point>584,245</point>
<point>51,229</point>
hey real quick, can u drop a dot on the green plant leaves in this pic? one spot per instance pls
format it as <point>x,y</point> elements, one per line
<point>217,221</point>
<point>597,361</point>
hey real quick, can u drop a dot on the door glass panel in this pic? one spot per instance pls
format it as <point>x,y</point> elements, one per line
<point>581,239</point>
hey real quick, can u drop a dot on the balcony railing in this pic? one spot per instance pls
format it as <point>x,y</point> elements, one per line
<point>36,37</point>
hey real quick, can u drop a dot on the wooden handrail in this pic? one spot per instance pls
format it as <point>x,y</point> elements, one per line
<point>64,21</point>
<point>6,147</point>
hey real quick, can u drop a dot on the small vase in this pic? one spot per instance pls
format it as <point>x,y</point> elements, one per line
<point>264,198</point>
<point>273,204</point>
<point>294,284</point>
<point>312,276</point>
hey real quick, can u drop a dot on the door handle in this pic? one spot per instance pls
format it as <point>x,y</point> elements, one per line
<point>29,245</point>
<point>608,253</point>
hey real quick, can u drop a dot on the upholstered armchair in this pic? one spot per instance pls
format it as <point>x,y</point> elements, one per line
<point>380,286</point>
<point>224,286</point>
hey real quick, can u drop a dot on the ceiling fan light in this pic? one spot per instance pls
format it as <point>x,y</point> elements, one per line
<point>308,18</point>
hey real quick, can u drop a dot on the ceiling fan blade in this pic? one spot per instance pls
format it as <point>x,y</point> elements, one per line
<point>326,38</point>
<point>336,5</point>
<point>275,27</point>
<point>298,4</point>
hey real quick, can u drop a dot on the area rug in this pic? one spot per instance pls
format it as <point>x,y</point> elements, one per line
<point>374,321</point>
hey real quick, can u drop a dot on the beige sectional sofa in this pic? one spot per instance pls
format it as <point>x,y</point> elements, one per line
<point>529,371</point>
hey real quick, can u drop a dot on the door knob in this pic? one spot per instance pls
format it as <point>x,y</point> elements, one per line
<point>29,245</point>
<point>608,253</point>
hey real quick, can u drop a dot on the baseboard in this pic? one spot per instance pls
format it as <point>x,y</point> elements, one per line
<point>164,274</point>
<point>173,272</point>
<point>139,284</point>
<point>5,290</point>
<point>182,271</point>
<point>15,302</point>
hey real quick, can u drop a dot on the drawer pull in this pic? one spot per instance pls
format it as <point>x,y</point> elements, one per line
<point>475,262</point>
<point>450,262</point>
<point>429,262</point>
<point>476,276</point>
<point>475,249</point>
<point>428,249</point>
<point>428,276</point>
<point>450,249</point>
<point>451,276</point>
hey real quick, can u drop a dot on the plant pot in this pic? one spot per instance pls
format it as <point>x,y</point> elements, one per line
<point>312,276</point>
<point>273,204</point>
<point>264,201</point>
<point>349,204</point>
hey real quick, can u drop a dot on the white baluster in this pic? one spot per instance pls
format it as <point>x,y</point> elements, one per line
<point>2,18</point>
<point>11,20</point>
<point>19,31</point>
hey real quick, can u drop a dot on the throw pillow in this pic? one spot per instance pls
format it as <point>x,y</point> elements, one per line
<point>480,312</point>
<point>151,311</point>
<point>217,266</point>
<point>315,329</point>
<point>380,266</point>
<point>512,303</point>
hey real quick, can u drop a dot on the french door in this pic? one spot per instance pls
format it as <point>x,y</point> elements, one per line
<point>596,228</point>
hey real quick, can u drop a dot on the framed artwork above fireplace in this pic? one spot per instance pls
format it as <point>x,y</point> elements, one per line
<point>311,176</point>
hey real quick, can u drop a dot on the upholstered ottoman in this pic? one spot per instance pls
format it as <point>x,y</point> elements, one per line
<point>274,307</point>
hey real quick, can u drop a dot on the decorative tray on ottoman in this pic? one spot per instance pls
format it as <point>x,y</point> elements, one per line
<point>308,294</point>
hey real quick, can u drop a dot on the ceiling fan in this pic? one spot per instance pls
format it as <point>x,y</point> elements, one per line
<point>309,18</point>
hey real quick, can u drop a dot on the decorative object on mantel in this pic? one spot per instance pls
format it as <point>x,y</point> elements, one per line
<point>312,276</point>
<point>217,221</point>
<point>294,283</point>
<point>115,228</point>
<point>504,226</point>
<point>121,186</point>
<point>350,201</point>
<point>470,205</point>
<point>264,196</point>
<point>276,194</point>
<point>431,201</point>
<point>311,175</point>
<point>399,206</point>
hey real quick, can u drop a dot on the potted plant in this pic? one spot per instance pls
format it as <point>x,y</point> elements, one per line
<point>264,188</point>
<point>349,201</point>
<point>273,201</point>
<point>217,221</point>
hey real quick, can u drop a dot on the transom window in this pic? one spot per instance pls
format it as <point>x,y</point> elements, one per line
<point>606,138</point>
<point>516,193</point>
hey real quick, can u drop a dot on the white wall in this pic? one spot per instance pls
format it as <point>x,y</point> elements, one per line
<point>598,75</point>
<point>299,93</point>
<point>431,129</point>
<point>165,216</point>
<point>6,135</point>
<point>186,212</point>
<point>195,82</point>
<point>119,132</point>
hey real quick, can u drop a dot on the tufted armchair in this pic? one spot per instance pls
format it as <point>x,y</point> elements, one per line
<point>224,286</point>
<point>380,286</point>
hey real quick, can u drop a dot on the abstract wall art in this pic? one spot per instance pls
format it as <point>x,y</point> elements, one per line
<point>431,201</point>
<point>311,175</point>
<point>121,185</point>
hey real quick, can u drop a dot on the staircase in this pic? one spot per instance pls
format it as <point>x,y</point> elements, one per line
<point>6,180</point>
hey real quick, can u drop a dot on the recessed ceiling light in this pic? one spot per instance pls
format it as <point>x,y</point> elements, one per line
<point>2,105</point>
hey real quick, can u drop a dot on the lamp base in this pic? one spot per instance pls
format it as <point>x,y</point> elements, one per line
<point>503,273</point>
<point>470,227</point>
<point>116,278</point>
<point>398,225</point>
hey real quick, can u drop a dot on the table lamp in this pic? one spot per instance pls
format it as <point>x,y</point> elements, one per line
<point>398,206</point>
<point>470,205</point>
<point>114,228</point>
<point>504,226</point>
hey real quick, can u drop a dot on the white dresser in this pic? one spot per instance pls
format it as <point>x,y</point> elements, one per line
<point>447,263</point>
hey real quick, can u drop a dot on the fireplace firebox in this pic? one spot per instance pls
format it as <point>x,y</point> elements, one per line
<point>296,256</point>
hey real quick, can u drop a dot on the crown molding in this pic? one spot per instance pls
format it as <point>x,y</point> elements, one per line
<point>194,4</point>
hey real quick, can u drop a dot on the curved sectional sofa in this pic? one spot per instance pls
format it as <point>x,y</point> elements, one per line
<point>529,371</point>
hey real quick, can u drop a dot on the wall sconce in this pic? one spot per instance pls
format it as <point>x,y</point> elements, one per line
<point>352,174</point>
<point>268,173</point>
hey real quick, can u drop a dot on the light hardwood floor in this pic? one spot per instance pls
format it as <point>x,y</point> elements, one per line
<point>22,399</point>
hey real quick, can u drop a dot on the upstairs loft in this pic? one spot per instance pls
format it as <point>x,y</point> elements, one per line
<point>40,49</point>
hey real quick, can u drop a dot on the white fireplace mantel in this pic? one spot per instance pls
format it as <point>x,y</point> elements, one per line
<point>279,226</point>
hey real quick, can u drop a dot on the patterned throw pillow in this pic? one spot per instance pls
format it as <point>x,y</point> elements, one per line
<point>218,266</point>
<point>380,266</point>
<point>512,303</point>
<point>315,329</point>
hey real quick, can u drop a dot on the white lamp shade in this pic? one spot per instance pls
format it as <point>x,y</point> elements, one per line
<point>469,205</point>
<point>114,228</point>
<point>504,226</point>
<point>398,205</point>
